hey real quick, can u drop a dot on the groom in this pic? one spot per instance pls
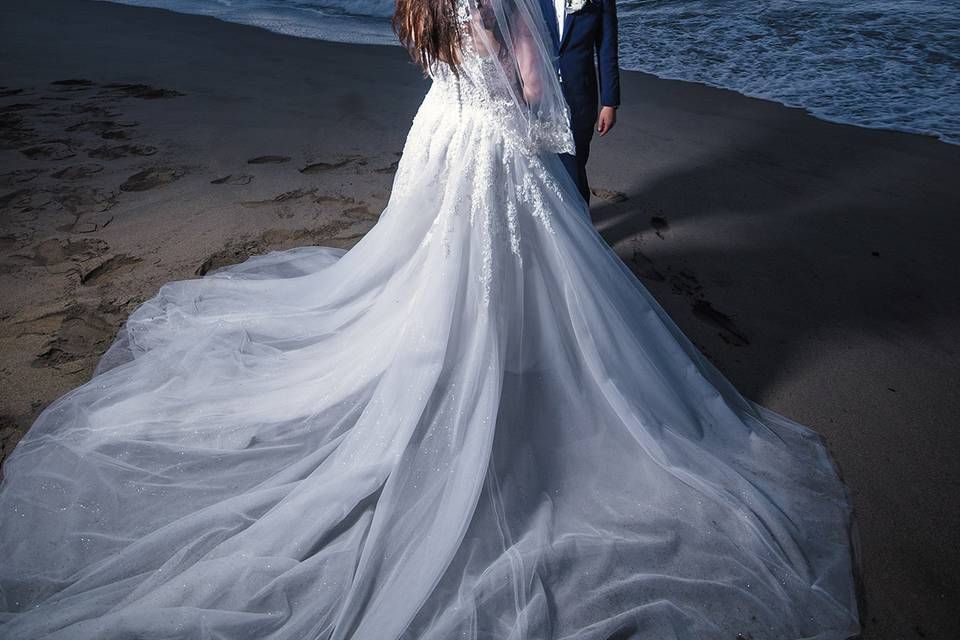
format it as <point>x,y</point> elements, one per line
<point>580,28</point>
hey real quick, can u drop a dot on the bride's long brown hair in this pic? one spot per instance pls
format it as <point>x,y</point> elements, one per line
<point>429,30</point>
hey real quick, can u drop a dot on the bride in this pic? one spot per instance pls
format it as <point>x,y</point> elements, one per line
<point>474,424</point>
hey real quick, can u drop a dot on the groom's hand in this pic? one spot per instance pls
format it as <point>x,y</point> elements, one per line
<point>606,120</point>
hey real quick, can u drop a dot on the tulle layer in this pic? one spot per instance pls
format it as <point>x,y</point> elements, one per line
<point>475,424</point>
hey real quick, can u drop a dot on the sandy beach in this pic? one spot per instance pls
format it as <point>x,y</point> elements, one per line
<point>815,264</point>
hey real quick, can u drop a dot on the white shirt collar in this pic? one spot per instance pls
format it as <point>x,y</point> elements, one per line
<point>561,10</point>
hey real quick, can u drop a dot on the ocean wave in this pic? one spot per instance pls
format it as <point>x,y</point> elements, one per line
<point>368,8</point>
<point>889,65</point>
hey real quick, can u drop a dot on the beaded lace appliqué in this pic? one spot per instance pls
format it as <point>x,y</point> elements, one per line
<point>484,125</point>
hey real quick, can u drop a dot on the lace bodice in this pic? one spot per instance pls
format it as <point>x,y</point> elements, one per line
<point>481,81</point>
<point>496,149</point>
<point>489,84</point>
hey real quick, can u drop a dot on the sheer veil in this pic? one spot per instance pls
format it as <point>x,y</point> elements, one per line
<point>513,34</point>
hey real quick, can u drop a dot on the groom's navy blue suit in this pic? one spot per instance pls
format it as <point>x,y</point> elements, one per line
<point>590,32</point>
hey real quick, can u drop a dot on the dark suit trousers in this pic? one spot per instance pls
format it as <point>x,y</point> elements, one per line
<point>576,165</point>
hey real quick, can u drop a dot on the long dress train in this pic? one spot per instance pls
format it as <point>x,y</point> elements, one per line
<point>476,423</point>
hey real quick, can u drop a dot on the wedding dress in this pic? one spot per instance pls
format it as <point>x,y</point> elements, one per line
<point>476,424</point>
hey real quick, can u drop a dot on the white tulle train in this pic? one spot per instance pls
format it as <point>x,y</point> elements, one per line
<point>475,424</point>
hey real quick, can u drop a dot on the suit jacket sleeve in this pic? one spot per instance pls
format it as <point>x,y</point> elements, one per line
<point>608,63</point>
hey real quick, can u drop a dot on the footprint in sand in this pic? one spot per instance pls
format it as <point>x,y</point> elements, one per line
<point>18,176</point>
<point>335,199</point>
<point>10,434</point>
<point>271,239</point>
<point>20,106</point>
<point>151,178</point>
<point>71,86</point>
<point>608,195</point>
<point>220,259</point>
<point>15,133</point>
<point>646,268</point>
<point>94,109</point>
<point>234,253</point>
<point>83,333</point>
<point>54,150</point>
<point>233,179</point>
<point>9,241</point>
<point>320,167</point>
<point>361,212</point>
<point>121,151</point>
<point>390,168</point>
<point>78,172</point>
<point>268,160</point>
<point>82,199</point>
<point>86,205</point>
<point>109,268</point>
<point>660,225</point>
<point>686,283</point>
<point>25,201</point>
<point>729,331</point>
<point>142,91</point>
<point>55,251</point>
<point>73,82</point>
<point>83,224</point>
<point>107,129</point>
<point>287,196</point>
<point>98,126</point>
<point>17,198</point>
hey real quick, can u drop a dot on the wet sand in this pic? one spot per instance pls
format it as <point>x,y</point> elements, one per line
<point>814,263</point>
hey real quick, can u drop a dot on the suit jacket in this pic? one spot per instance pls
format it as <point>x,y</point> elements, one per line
<point>590,32</point>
